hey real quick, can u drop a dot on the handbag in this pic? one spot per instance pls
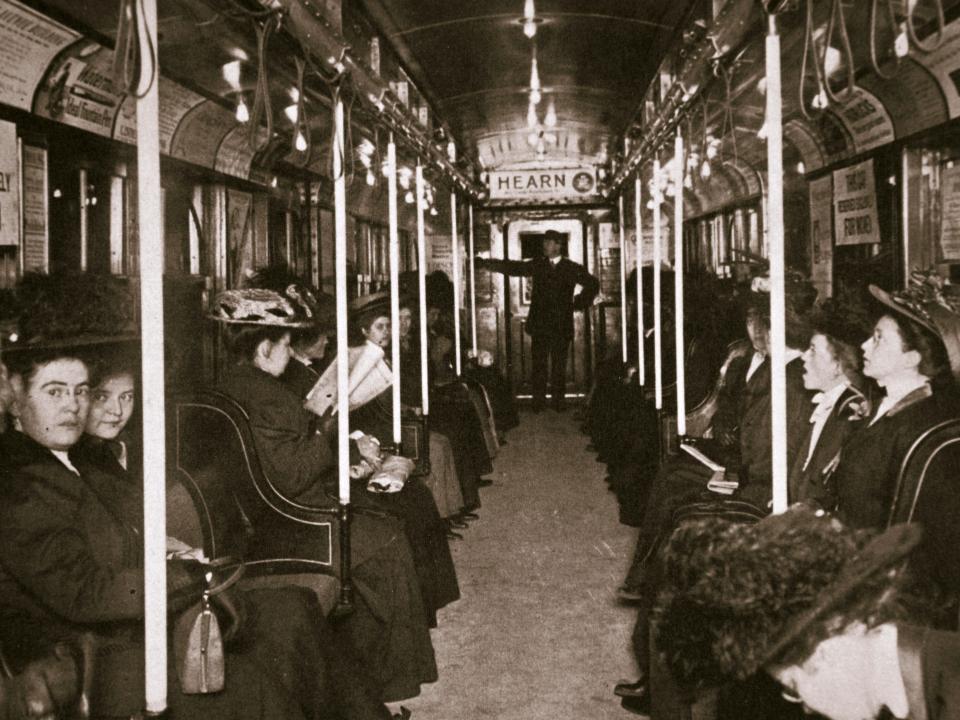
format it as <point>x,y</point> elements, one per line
<point>198,640</point>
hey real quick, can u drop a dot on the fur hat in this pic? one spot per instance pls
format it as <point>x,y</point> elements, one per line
<point>739,597</point>
<point>320,306</point>
<point>256,306</point>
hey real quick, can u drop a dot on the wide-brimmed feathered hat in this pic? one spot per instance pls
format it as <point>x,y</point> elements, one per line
<point>320,307</point>
<point>257,306</point>
<point>737,598</point>
<point>932,303</point>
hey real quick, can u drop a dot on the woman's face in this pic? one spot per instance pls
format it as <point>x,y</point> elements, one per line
<point>883,353</point>
<point>111,406</point>
<point>759,334</point>
<point>821,370</point>
<point>52,408</point>
<point>406,321</point>
<point>378,332</point>
<point>831,681</point>
<point>273,357</point>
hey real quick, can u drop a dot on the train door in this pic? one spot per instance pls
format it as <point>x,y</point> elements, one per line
<point>524,241</point>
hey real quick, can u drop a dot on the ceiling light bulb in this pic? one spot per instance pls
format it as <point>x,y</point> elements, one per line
<point>901,46</point>
<point>706,171</point>
<point>433,211</point>
<point>712,151</point>
<point>551,138</point>
<point>532,139</point>
<point>534,75</point>
<point>408,198</point>
<point>530,28</point>
<point>273,181</point>
<point>529,11</point>
<point>243,112</point>
<point>532,120</point>
<point>371,178</point>
<point>551,118</point>
<point>291,112</point>
<point>820,100</point>
<point>688,181</point>
<point>231,73</point>
<point>452,151</point>
<point>535,97</point>
<point>540,147</point>
<point>300,143</point>
<point>801,168</point>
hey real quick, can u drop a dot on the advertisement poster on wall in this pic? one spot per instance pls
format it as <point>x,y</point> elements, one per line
<point>821,235</point>
<point>855,205</point>
<point>9,185</point>
<point>950,226</point>
<point>36,249</point>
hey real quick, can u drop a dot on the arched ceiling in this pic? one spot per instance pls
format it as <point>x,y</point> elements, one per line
<point>472,60</point>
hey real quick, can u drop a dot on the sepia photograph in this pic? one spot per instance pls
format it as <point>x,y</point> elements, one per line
<point>479,359</point>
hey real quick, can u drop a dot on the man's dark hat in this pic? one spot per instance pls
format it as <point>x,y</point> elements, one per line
<point>737,598</point>
<point>372,305</point>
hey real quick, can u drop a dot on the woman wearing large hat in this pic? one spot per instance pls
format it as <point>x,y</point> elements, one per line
<point>389,628</point>
<point>823,609</point>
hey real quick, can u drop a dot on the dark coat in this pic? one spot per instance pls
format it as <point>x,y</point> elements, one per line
<point>552,303</point>
<point>866,475</point>
<point>812,484</point>
<point>756,428</point>
<point>70,562</point>
<point>930,667</point>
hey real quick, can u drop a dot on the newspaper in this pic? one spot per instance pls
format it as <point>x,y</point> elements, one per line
<point>718,482</point>
<point>369,376</point>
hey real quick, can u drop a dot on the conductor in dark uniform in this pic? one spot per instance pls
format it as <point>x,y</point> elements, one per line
<point>550,322</point>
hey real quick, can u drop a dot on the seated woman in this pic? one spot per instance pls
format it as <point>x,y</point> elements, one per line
<point>107,444</point>
<point>425,529</point>
<point>832,615</point>
<point>389,628</point>
<point>70,563</point>
<point>442,479</point>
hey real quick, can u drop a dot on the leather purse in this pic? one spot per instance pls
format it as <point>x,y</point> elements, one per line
<point>199,641</point>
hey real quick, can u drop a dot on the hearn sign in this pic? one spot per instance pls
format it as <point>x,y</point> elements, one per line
<point>544,184</point>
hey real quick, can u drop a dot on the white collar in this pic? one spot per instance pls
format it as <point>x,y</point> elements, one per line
<point>63,457</point>
<point>827,400</point>
<point>556,260</point>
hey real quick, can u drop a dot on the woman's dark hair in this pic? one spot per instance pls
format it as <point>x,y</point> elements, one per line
<point>934,362</point>
<point>26,363</point>
<point>362,321</point>
<point>113,363</point>
<point>243,340</point>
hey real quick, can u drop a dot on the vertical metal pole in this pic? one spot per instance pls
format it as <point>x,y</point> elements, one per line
<point>904,213</point>
<point>623,280</point>
<point>345,601</point>
<point>657,290</point>
<point>454,242</point>
<point>473,282</point>
<point>343,357</point>
<point>422,282</point>
<point>85,219</point>
<point>680,348</point>
<point>778,378</point>
<point>394,247</point>
<point>641,355</point>
<point>152,368</point>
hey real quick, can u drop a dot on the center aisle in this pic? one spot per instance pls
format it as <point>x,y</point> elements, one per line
<point>537,633</point>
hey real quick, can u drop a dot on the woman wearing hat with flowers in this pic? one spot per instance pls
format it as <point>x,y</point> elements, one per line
<point>389,628</point>
<point>823,609</point>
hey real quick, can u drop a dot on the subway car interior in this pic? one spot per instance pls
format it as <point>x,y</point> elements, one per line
<point>516,359</point>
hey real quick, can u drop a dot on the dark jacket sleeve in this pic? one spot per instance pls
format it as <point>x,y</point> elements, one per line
<point>295,457</point>
<point>53,561</point>
<point>590,285</point>
<point>516,268</point>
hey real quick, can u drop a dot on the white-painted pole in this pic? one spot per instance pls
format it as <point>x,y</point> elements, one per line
<point>422,282</point>
<point>473,283</point>
<point>394,248</point>
<point>778,375</point>
<point>623,279</point>
<point>641,331</point>
<point>340,266</point>
<point>657,290</point>
<point>454,243</point>
<point>678,168</point>
<point>150,222</point>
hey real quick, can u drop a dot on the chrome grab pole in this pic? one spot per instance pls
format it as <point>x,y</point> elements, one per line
<point>678,169</point>
<point>623,281</point>
<point>455,253</point>
<point>641,355</point>
<point>394,249</point>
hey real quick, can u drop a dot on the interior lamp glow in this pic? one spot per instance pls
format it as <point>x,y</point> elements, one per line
<point>535,97</point>
<point>291,112</point>
<point>705,170</point>
<point>243,112</point>
<point>530,28</point>
<point>551,117</point>
<point>534,75</point>
<point>529,11</point>
<point>901,46</point>
<point>820,100</point>
<point>371,178</point>
<point>300,143</point>
<point>532,120</point>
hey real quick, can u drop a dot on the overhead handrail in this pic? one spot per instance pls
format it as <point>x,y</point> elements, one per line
<point>838,22</point>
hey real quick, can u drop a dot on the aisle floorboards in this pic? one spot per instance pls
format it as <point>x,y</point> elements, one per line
<point>537,633</point>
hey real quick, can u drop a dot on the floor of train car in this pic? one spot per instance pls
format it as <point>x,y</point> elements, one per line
<point>537,632</point>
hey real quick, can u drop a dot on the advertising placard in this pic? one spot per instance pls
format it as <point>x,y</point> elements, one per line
<point>821,235</point>
<point>543,184</point>
<point>855,205</point>
<point>9,185</point>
